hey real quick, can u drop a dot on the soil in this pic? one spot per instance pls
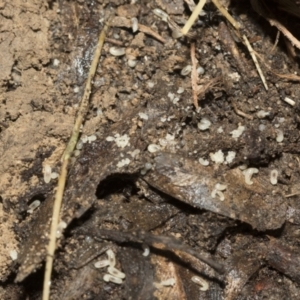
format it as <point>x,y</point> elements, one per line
<point>146,175</point>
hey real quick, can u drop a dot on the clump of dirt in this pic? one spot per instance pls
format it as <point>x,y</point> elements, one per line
<point>151,173</point>
<point>28,111</point>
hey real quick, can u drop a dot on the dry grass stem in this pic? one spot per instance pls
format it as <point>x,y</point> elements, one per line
<point>252,53</point>
<point>193,17</point>
<point>225,13</point>
<point>65,160</point>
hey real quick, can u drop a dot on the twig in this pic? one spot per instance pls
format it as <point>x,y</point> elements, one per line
<point>151,32</point>
<point>114,42</point>
<point>156,241</point>
<point>241,113</point>
<point>194,75</point>
<point>252,53</point>
<point>65,160</point>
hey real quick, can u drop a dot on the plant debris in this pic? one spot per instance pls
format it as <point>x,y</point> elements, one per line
<point>153,180</point>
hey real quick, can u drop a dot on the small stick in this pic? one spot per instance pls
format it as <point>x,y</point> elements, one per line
<point>65,160</point>
<point>114,42</point>
<point>250,49</point>
<point>194,75</point>
<point>149,31</point>
<point>155,241</point>
<point>241,113</point>
<point>276,41</point>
